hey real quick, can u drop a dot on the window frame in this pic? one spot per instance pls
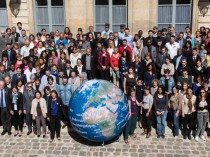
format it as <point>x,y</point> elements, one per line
<point>173,20</point>
<point>6,22</point>
<point>110,6</point>
<point>50,24</point>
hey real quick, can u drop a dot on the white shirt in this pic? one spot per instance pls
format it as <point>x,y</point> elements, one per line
<point>25,51</point>
<point>40,50</point>
<point>28,73</point>
<point>172,49</point>
<point>73,59</point>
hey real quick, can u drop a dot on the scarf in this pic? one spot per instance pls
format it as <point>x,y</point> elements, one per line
<point>14,98</point>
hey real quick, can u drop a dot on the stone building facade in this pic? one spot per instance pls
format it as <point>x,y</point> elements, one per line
<point>139,14</point>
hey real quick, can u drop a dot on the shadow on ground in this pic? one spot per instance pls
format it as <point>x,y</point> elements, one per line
<point>75,136</point>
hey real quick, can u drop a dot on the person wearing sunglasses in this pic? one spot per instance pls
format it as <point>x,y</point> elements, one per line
<point>28,96</point>
<point>202,115</point>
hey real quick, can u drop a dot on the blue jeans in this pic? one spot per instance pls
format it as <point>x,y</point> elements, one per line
<point>161,123</point>
<point>175,122</point>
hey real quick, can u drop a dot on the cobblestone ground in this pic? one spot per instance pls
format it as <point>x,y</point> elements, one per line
<point>73,145</point>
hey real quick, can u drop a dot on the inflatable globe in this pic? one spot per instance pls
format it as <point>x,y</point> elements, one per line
<point>98,110</point>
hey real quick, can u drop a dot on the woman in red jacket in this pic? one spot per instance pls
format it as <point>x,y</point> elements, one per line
<point>103,64</point>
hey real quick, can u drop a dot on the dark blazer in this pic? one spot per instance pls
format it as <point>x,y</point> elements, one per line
<point>175,59</point>
<point>93,61</point>
<point>138,69</point>
<point>103,42</point>
<point>16,35</point>
<point>22,77</point>
<point>190,62</point>
<point>7,100</point>
<point>27,100</point>
<point>183,42</point>
<point>119,43</point>
<point>12,58</point>
<point>61,65</point>
<point>76,69</point>
<point>159,59</point>
<point>59,103</point>
<point>19,102</point>
<point>65,72</point>
<point>87,35</point>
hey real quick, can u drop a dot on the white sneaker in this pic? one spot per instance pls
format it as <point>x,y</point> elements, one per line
<point>203,138</point>
<point>196,138</point>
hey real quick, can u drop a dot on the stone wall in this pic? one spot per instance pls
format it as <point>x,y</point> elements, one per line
<point>25,15</point>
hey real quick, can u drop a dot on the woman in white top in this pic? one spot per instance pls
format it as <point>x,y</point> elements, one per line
<point>74,56</point>
<point>40,47</point>
<point>202,114</point>
<point>39,112</point>
<point>188,112</point>
<point>137,50</point>
<point>110,49</point>
<point>168,65</point>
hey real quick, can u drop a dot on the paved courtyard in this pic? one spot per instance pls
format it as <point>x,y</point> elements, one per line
<point>73,145</point>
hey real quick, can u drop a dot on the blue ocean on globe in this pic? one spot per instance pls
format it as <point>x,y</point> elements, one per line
<point>98,110</point>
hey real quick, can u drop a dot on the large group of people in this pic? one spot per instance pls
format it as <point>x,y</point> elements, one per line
<point>164,75</point>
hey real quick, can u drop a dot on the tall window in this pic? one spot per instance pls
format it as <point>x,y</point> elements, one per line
<point>49,14</point>
<point>3,15</point>
<point>174,12</point>
<point>113,12</point>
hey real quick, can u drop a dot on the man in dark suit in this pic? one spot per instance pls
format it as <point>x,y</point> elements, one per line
<point>19,75</point>
<point>5,62</point>
<point>180,39</point>
<point>99,39</point>
<point>28,96</point>
<point>68,69</point>
<point>16,34</point>
<point>161,56</point>
<point>150,37</point>
<point>192,59</point>
<point>3,72</point>
<point>117,40</point>
<point>4,105</point>
<point>177,60</point>
<point>89,62</point>
<point>11,54</point>
<point>171,33</point>
<point>91,31</point>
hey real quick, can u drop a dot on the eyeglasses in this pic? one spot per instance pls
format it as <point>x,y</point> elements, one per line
<point>29,86</point>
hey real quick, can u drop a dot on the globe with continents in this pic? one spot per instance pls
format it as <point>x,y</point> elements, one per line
<point>98,110</point>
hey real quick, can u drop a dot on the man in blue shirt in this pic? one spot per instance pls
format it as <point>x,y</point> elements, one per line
<point>65,91</point>
<point>106,31</point>
<point>122,31</point>
<point>62,40</point>
<point>128,37</point>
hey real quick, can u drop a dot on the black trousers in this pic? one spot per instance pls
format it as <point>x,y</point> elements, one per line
<point>65,117</point>
<point>17,121</point>
<point>55,126</point>
<point>146,121</point>
<point>189,120</point>
<point>6,119</point>
<point>105,74</point>
<point>30,122</point>
<point>90,75</point>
